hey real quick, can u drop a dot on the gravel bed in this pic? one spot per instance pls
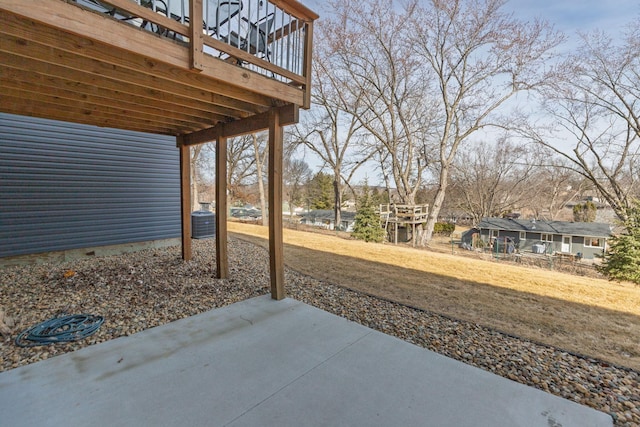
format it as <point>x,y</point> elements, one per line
<point>145,289</point>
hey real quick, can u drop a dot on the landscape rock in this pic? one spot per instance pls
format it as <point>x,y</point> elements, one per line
<point>6,323</point>
<point>141,290</point>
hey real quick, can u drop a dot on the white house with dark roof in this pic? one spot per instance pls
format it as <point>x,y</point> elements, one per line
<point>583,239</point>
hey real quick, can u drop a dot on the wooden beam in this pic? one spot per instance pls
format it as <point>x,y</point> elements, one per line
<point>239,54</point>
<point>289,114</point>
<point>54,111</point>
<point>232,81</point>
<point>196,52</point>
<point>295,8</point>
<point>308,52</point>
<point>71,103</point>
<point>97,26</point>
<point>276,251</point>
<point>118,90</point>
<point>24,29</point>
<point>222,258</point>
<point>185,198</point>
<point>29,81</point>
<point>48,60</point>
<point>148,14</point>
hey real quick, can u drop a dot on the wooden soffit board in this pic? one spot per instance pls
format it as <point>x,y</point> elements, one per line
<point>62,62</point>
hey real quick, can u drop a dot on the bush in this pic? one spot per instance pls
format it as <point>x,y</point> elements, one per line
<point>622,259</point>
<point>444,228</point>
<point>367,225</point>
<point>585,212</point>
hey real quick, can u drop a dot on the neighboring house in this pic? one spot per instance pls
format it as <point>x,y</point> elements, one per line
<point>326,219</point>
<point>584,239</point>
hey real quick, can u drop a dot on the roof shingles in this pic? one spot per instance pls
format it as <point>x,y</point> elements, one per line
<point>591,229</point>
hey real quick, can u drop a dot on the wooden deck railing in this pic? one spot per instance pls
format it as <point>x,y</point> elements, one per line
<point>272,38</point>
<point>401,216</point>
<point>404,214</point>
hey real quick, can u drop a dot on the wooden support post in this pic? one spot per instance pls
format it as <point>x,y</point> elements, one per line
<point>276,252</point>
<point>185,197</point>
<point>222,258</point>
<point>308,48</point>
<point>395,239</point>
<point>413,235</point>
<point>196,39</point>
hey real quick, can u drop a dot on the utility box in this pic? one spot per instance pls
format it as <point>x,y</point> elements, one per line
<point>203,223</point>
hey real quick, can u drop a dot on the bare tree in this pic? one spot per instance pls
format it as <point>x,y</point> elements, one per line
<point>553,186</point>
<point>202,174</point>
<point>432,76</point>
<point>195,178</point>
<point>296,174</point>
<point>373,65</point>
<point>241,162</point>
<point>246,159</point>
<point>596,109</point>
<point>492,179</point>
<point>477,58</point>
<point>260,152</point>
<point>324,138</point>
<point>330,129</point>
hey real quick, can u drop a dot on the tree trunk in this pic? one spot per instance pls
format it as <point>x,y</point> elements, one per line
<point>195,205</point>
<point>259,165</point>
<point>337,208</point>
<point>434,210</point>
<point>195,153</point>
<point>263,202</point>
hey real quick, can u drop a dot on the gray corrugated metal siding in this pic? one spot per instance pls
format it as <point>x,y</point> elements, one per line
<point>67,186</point>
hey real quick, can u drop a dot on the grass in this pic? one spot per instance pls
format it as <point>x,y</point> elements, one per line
<point>593,317</point>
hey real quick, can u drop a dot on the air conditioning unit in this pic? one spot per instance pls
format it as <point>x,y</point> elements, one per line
<point>203,223</point>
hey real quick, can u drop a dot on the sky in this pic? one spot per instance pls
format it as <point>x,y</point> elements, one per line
<point>568,16</point>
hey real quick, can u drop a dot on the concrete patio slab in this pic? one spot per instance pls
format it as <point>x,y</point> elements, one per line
<point>271,363</point>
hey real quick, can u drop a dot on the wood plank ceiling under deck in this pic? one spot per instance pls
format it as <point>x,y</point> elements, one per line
<point>105,73</point>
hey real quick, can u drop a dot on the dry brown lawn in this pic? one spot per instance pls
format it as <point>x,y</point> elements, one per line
<point>587,316</point>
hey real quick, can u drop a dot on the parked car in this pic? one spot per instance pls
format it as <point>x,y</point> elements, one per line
<point>246,214</point>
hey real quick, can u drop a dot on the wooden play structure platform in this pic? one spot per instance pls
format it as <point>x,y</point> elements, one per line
<point>402,219</point>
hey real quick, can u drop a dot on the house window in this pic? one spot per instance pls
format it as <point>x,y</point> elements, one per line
<point>593,242</point>
<point>523,235</point>
<point>546,237</point>
<point>493,233</point>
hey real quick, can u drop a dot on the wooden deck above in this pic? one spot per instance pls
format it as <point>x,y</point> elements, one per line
<point>200,70</point>
<point>60,60</point>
